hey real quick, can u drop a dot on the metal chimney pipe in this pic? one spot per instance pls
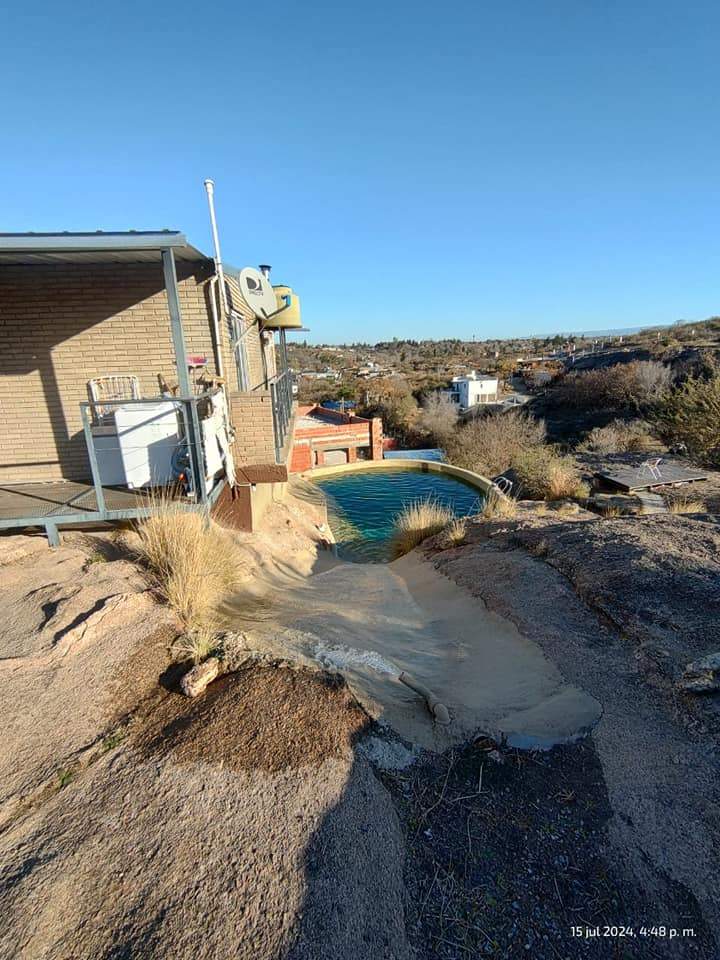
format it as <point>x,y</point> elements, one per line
<point>210,190</point>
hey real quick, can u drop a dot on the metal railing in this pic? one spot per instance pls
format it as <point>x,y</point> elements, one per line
<point>282,404</point>
<point>161,446</point>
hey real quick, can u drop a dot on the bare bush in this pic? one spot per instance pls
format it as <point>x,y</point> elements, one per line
<point>416,522</point>
<point>545,475</point>
<point>617,387</point>
<point>691,415</point>
<point>437,418</point>
<point>490,444</point>
<point>618,437</point>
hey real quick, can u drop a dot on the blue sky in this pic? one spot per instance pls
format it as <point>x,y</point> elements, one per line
<point>412,169</point>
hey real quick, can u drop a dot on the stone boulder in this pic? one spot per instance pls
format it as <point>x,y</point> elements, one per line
<point>702,676</point>
<point>197,678</point>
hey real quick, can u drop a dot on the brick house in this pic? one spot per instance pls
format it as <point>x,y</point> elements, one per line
<point>145,307</point>
<point>325,437</point>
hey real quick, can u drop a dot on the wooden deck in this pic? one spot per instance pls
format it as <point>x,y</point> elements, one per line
<point>645,478</point>
<point>62,498</point>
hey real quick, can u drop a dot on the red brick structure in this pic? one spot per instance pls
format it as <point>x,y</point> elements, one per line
<point>324,437</point>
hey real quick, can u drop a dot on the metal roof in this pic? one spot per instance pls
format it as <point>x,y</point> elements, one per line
<point>132,246</point>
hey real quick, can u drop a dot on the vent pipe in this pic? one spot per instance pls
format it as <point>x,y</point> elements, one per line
<point>210,190</point>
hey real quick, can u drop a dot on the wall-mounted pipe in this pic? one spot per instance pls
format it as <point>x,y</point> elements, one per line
<point>210,190</point>
<point>217,343</point>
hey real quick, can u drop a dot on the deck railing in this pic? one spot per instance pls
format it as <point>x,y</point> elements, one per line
<point>173,458</point>
<point>282,405</point>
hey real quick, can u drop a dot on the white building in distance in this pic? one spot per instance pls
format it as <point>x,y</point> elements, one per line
<point>472,390</point>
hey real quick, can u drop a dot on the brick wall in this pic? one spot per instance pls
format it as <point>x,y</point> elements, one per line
<point>251,415</point>
<point>348,433</point>
<point>64,324</point>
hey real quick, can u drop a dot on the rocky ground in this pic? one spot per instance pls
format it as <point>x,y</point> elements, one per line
<point>271,818</point>
<point>622,604</point>
<point>508,856</point>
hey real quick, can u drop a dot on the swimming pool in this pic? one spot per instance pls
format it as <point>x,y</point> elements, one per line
<point>362,506</point>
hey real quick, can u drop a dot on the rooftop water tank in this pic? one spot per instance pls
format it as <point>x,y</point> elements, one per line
<point>289,318</point>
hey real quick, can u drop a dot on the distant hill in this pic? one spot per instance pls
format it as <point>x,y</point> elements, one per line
<point>617,332</point>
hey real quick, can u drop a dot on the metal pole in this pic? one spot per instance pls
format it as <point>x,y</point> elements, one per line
<point>51,532</point>
<point>194,436</point>
<point>171,288</point>
<point>94,467</point>
<point>210,190</point>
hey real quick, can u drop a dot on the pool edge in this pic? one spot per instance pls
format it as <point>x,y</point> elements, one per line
<point>421,466</point>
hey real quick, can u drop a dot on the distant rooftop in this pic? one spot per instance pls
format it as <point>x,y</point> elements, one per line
<point>129,246</point>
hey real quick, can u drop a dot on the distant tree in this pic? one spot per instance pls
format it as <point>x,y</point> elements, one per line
<point>437,418</point>
<point>390,399</point>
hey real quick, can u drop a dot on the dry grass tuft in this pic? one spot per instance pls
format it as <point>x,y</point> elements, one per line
<point>416,522</point>
<point>498,507</point>
<point>196,645</point>
<point>193,563</point>
<point>686,504</point>
<point>455,533</point>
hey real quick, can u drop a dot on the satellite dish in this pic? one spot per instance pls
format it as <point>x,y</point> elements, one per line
<point>257,292</point>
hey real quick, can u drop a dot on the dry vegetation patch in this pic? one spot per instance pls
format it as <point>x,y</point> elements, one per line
<point>545,475</point>
<point>491,443</point>
<point>619,436</point>
<point>498,507</point>
<point>620,386</point>
<point>417,522</point>
<point>686,504</point>
<point>455,533</point>
<point>192,562</point>
<point>265,716</point>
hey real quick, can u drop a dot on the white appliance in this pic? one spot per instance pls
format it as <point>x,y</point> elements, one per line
<point>136,448</point>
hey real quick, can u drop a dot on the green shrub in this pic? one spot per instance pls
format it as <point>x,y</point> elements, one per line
<point>691,415</point>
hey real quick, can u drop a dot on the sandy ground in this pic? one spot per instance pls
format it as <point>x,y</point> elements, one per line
<point>373,621</point>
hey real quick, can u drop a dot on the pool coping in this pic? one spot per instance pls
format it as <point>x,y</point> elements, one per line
<point>421,466</point>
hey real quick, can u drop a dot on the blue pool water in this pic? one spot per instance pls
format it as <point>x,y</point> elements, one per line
<point>362,506</point>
